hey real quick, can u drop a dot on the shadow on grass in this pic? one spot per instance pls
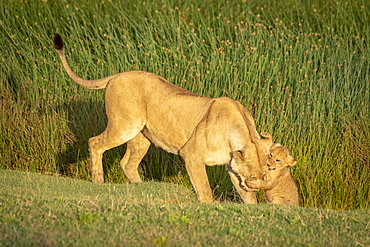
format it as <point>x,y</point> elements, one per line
<point>86,119</point>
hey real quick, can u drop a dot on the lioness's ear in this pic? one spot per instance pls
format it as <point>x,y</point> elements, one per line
<point>238,157</point>
<point>266,141</point>
<point>267,138</point>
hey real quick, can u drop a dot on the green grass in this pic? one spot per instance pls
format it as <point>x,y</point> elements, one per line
<point>302,68</point>
<point>40,210</point>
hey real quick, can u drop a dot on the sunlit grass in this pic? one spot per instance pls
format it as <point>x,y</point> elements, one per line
<point>44,210</point>
<point>302,69</point>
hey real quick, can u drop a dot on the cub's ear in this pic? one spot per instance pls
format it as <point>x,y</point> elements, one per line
<point>292,161</point>
<point>276,145</point>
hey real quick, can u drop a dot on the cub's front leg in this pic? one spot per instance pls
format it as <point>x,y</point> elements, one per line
<point>260,184</point>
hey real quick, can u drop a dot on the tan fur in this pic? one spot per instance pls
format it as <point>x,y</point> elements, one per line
<point>280,188</point>
<point>144,108</point>
<point>242,169</point>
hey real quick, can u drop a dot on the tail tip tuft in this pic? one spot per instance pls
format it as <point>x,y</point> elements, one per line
<point>58,42</point>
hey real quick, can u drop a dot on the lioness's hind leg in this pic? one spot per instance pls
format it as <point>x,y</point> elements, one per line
<point>110,138</point>
<point>136,149</point>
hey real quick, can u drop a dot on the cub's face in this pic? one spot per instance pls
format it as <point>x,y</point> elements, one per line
<point>279,157</point>
<point>279,162</point>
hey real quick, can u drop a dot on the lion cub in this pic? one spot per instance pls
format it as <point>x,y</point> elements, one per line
<point>280,188</point>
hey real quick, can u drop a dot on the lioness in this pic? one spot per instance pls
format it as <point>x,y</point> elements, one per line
<point>280,188</point>
<point>143,107</point>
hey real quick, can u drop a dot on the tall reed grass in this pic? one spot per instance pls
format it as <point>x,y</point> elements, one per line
<point>302,68</point>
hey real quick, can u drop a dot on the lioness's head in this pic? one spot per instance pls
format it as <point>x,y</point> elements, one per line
<point>243,163</point>
<point>243,167</point>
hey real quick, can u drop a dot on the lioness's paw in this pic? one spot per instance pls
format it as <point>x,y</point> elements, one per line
<point>98,180</point>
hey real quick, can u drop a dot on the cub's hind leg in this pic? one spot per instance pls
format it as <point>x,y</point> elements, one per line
<point>136,149</point>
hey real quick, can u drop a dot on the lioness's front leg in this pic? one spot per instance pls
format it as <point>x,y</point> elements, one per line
<point>199,179</point>
<point>248,197</point>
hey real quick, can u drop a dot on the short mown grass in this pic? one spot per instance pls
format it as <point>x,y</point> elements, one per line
<point>40,210</point>
<point>301,68</point>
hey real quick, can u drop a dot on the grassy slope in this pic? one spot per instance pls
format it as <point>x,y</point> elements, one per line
<point>55,211</point>
<point>300,67</point>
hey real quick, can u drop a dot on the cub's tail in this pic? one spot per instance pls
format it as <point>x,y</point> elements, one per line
<point>91,84</point>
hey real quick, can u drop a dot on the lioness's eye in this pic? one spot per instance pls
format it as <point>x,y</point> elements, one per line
<point>277,160</point>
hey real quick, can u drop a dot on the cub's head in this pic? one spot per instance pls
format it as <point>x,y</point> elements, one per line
<point>279,157</point>
<point>279,162</point>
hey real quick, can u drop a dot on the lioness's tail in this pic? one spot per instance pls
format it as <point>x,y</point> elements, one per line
<point>91,84</point>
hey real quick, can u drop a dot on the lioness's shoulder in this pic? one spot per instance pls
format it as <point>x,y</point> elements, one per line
<point>227,103</point>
